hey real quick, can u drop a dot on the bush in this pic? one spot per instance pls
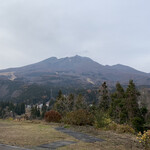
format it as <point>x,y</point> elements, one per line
<point>125,129</point>
<point>79,117</point>
<point>112,126</point>
<point>52,116</point>
<point>10,119</point>
<point>120,128</point>
<point>101,120</point>
<point>144,139</point>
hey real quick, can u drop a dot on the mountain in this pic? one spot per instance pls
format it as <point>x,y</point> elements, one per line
<point>39,82</point>
<point>74,71</point>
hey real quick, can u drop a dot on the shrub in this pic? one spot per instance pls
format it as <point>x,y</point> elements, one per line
<point>120,128</point>
<point>101,120</point>
<point>112,126</point>
<point>125,129</point>
<point>10,119</point>
<point>79,117</point>
<point>52,116</point>
<point>144,139</point>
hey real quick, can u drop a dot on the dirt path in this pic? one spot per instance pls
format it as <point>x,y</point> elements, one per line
<point>80,136</point>
<point>54,145</point>
<point>77,135</point>
<point>8,147</point>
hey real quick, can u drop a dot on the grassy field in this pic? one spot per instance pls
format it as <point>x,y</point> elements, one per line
<point>28,134</point>
<point>31,134</point>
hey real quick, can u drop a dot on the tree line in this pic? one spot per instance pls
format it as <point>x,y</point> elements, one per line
<point>120,106</point>
<point>9,109</point>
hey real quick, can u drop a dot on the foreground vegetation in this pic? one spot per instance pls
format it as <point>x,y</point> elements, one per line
<point>34,133</point>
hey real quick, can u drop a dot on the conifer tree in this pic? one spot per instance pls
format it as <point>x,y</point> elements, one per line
<point>132,95</point>
<point>118,110</point>
<point>134,114</point>
<point>70,102</point>
<point>60,104</point>
<point>80,103</point>
<point>38,113</point>
<point>22,105</point>
<point>104,98</point>
<point>59,94</point>
<point>35,112</point>
<point>44,109</point>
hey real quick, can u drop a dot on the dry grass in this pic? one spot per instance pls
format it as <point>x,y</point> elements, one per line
<point>113,141</point>
<point>26,134</point>
<point>30,134</point>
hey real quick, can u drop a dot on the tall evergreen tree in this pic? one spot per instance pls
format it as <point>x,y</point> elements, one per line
<point>132,95</point>
<point>59,94</point>
<point>134,114</point>
<point>44,109</point>
<point>70,102</point>
<point>118,110</point>
<point>80,103</point>
<point>22,105</point>
<point>35,112</point>
<point>104,98</point>
<point>60,104</point>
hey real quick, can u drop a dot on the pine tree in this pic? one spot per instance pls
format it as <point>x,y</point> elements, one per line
<point>22,107</point>
<point>35,112</point>
<point>70,102</point>
<point>134,114</point>
<point>80,103</point>
<point>44,109</point>
<point>104,98</point>
<point>60,104</point>
<point>38,113</point>
<point>59,94</point>
<point>118,110</point>
<point>132,95</point>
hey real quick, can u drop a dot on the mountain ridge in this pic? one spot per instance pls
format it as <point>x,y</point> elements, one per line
<point>76,68</point>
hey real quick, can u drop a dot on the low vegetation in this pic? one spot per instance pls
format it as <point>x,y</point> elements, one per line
<point>144,139</point>
<point>52,116</point>
<point>79,117</point>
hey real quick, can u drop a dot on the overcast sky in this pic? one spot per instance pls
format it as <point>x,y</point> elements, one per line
<point>108,31</point>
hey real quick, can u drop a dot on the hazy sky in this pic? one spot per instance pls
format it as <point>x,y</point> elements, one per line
<point>108,31</point>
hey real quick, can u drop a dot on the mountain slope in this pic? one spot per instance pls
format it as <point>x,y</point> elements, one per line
<point>75,71</point>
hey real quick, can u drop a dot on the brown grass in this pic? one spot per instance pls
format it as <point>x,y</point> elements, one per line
<point>113,141</point>
<point>26,134</point>
<point>30,134</point>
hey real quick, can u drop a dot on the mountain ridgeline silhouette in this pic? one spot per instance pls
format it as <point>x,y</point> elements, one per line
<point>73,71</point>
